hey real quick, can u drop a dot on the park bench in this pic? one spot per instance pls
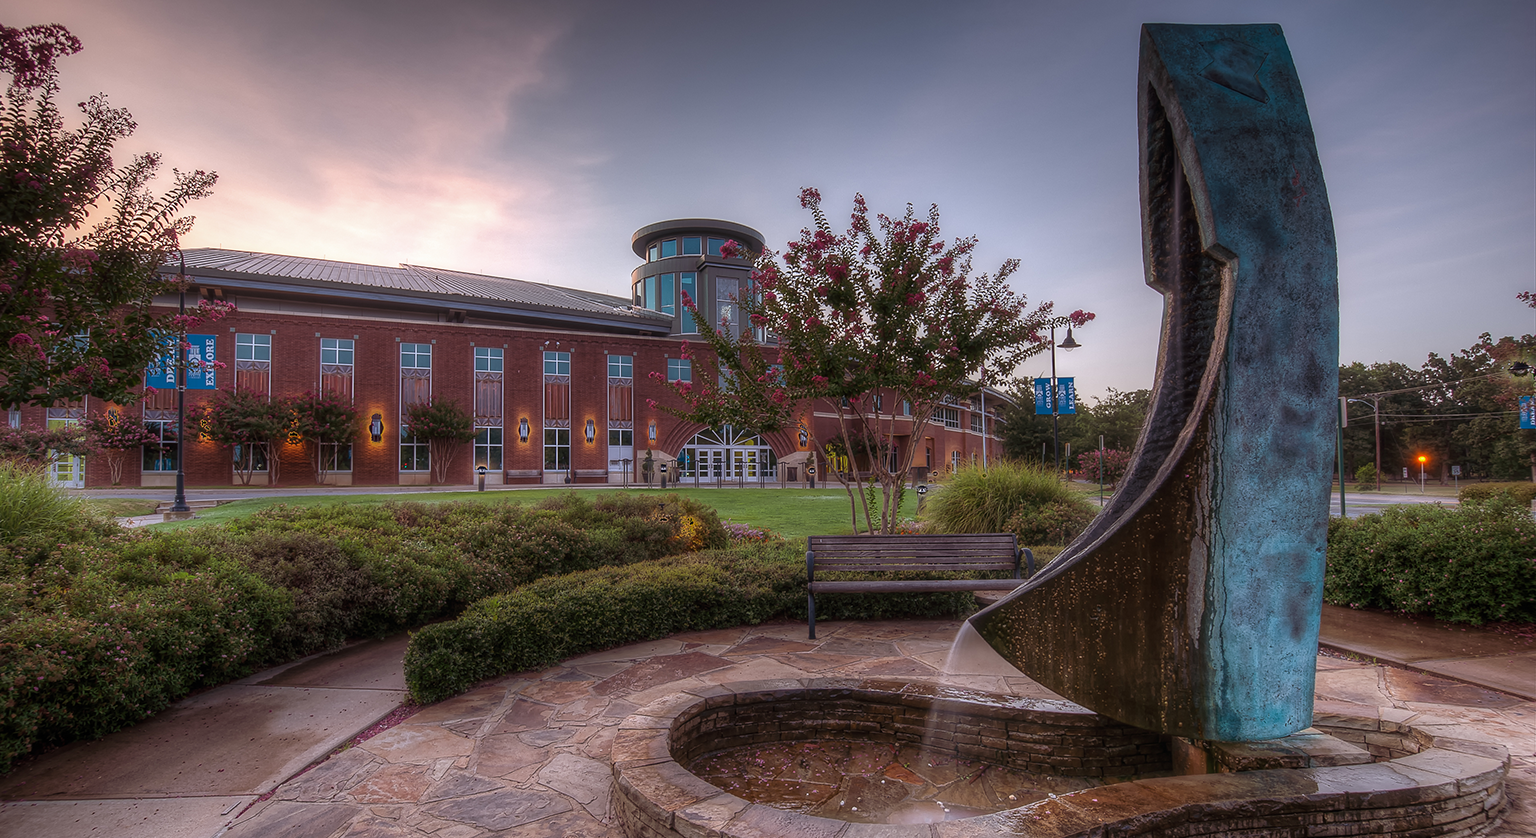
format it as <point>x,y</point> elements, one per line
<point>932,553</point>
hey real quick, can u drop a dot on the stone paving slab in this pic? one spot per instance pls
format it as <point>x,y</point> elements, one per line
<point>181,817</point>
<point>1493,660</point>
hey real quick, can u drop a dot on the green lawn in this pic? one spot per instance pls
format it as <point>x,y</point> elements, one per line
<point>121,507</point>
<point>792,513</point>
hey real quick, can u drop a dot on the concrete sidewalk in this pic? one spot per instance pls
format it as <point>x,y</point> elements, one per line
<point>526,755</point>
<point>1473,655</point>
<point>193,768</point>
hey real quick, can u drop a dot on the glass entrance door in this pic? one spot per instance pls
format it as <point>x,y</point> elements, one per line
<point>66,470</point>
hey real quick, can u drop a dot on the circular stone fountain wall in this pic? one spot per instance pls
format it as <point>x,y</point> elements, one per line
<point>1426,785</point>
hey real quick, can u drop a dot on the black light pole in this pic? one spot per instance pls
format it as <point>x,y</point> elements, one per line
<point>179,506</point>
<point>1069,344</point>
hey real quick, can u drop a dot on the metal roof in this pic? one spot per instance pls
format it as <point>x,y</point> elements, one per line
<point>515,294</point>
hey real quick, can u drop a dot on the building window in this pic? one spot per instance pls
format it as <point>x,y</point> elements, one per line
<point>489,383</point>
<point>557,411</point>
<point>415,388</point>
<point>415,454</point>
<point>557,449</point>
<point>688,283</point>
<point>253,363</point>
<point>557,363</point>
<point>160,456</point>
<point>621,437</point>
<point>488,359</point>
<point>715,245</point>
<point>649,294</point>
<point>679,369</point>
<point>335,368</point>
<point>488,448</point>
<point>879,402</point>
<point>621,366</point>
<point>906,407</point>
<point>253,458</point>
<point>976,423</point>
<point>669,248</point>
<point>727,315</point>
<point>336,456</point>
<point>666,293</point>
<point>692,246</point>
<point>415,374</point>
<point>650,255</point>
<point>954,461</point>
<point>950,417</point>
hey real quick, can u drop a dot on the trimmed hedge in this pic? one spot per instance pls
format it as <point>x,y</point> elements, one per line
<point>1472,564</point>
<point>100,628</point>
<point>1521,493</point>
<point>559,617</point>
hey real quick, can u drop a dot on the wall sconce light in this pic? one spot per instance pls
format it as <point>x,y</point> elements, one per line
<point>591,431</point>
<point>376,427</point>
<point>653,431</point>
<point>522,429</point>
<point>804,435</point>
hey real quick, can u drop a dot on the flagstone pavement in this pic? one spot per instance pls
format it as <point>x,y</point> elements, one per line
<point>527,755</point>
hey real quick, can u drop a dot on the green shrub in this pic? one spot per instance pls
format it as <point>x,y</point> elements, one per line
<point>1472,564</point>
<point>561,616</point>
<point>99,628</point>
<point>100,635</point>
<point>1521,493</point>
<point>1008,496</point>
<point>1365,477</point>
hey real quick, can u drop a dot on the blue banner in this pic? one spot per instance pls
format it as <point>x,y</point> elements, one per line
<point>1528,412</point>
<point>1066,396</point>
<point>201,374</point>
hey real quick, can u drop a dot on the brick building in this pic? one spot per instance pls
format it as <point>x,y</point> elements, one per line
<point>559,378</point>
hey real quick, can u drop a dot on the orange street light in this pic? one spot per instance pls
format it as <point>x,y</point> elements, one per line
<point>1422,460</point>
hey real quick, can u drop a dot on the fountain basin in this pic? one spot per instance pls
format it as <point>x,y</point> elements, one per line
<point>1420,782</point>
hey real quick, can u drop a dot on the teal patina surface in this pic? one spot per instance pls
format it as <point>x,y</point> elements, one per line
<point>1191,606</point>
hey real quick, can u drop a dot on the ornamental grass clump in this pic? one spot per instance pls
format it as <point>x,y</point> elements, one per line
<point>30,505</point>
<point>1008,496</point>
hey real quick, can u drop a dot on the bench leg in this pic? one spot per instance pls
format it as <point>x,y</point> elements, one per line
<point>811,609</point>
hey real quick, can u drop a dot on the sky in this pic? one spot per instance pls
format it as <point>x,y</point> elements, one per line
<point>531,139</point>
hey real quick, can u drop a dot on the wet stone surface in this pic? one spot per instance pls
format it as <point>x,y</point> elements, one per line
<point>529,755</point>
<point>874,783</point>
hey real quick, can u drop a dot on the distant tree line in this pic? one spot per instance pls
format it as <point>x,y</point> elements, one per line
<point>1460,410</point>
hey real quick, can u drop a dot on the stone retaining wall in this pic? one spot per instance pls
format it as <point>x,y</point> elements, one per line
<point>1448,787</point>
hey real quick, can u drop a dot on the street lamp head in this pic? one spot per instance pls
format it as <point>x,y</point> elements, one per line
<point>1423,458</point>
<point>1069,344</point>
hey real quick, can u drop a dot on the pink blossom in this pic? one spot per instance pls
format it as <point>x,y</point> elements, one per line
<point>651,403</point>
<point>809,197</point>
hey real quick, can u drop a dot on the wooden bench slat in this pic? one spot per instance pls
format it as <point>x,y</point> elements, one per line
<point>892,586</point>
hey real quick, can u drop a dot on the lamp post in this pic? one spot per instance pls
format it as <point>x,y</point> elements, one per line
<point>179,506</point>
<point>1068,345</point>
<point>1422,459</point>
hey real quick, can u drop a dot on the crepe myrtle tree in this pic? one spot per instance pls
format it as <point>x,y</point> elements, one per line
<point>887,308</point>
<point>81,239</point>
<point>250,423</point>
<point>115,435</point>
<point>445,426</point>
<point>324,422</point>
